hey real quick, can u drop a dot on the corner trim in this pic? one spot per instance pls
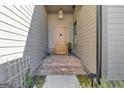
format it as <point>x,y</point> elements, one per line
<point>98,42</point>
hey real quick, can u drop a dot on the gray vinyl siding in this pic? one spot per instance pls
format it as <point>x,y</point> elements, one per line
<point>37,40</point>
<point>86,36</point>
<point>23,31</point>
<point>115,41</point>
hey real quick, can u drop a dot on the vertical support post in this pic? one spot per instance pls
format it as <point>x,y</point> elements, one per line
<point>99,41</point>
<point>23,73</point>
<point>9,72</point>
<point>15,71</point>
<point>20,72</point>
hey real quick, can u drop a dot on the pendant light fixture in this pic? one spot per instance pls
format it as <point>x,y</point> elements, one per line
<point>60,13</point>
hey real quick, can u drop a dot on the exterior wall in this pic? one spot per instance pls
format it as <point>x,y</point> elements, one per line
<point>104,63</point>
<point>53,21</point>
<point>86,36</point>
<point>37,40</point>
<point>14,28</point>
<point>23,31</point>
<point>114,17</point>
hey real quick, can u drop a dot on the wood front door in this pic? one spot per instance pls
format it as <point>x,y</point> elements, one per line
<point>60,40</point>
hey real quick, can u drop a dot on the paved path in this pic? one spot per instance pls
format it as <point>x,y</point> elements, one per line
<point>61,81</point>
<point>60,65</point>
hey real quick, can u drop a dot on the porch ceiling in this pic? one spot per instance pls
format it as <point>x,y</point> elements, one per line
<point>55,8</point>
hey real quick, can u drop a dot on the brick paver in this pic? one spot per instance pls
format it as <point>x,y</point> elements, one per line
<point>60,65</point>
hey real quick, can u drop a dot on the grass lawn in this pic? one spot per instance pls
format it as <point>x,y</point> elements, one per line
<point>39,81</point>
<point>85,82</point>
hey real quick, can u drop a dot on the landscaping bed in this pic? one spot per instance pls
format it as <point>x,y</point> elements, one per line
<point>84,81</point>
<point>39,81</point>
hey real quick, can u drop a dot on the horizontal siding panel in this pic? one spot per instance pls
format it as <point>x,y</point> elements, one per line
<point>25,9</point>
<point>18,8</point>
<point>116,71</point>
<point>17,13</point>
<point>86,36</point>
<point>27,6</point>
<point>12,36</point>
<point>116,61</point>
<point>28,9</point>
<point>115,44</point>
<point>116,32</point>
<point>12,20</point>
<point>115,27</point>
<point>120,15</point>
<point>6,51</point>
<point>11,43</point>
<point>116,49</point>
<point>117,55</point>
<point>116,68</point>
<point>11,28</point>
<point>15,24</point>
<point>12,14</point>
<point>115,9</point>
<point>115,21</point>
<point>12,32</point>
<point>10,57</point>
<point>116,76</point>
<point>116,38</point>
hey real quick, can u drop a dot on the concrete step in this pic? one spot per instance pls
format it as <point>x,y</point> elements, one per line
<point>61,81</point>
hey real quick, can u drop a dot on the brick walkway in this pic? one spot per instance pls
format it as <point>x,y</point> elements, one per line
<point>60,65</point>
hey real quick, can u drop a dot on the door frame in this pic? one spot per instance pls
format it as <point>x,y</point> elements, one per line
<point>60,26</point>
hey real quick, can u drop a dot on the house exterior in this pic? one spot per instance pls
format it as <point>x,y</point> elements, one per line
<point>96,33</point>
<point>112,42</point>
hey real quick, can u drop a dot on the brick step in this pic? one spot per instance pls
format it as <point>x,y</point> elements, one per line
<point>60,65</point>
<point>57,67</point>
<point>60,72</point>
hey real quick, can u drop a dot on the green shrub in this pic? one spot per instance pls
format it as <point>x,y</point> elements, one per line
<point>28,83</point>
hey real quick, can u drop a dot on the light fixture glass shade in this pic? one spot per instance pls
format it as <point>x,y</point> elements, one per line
<point>60,14</point>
